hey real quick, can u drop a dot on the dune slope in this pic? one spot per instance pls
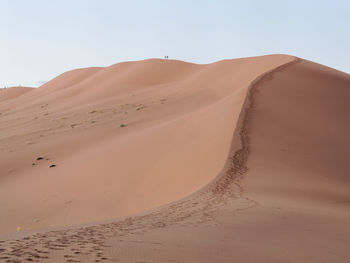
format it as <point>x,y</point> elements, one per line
<point>300,136</point>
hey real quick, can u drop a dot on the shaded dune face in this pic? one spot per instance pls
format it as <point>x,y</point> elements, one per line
<point>124,139</point>
<point>299,132</point>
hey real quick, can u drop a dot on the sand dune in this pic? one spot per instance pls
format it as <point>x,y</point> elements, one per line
<point>13,92</point>
<point>247,157</point>
<point>104,170</point>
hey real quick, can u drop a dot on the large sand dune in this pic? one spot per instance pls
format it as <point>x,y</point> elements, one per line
<point>259,146</point>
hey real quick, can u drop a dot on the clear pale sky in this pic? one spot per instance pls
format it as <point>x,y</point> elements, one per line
<point>42,38</point>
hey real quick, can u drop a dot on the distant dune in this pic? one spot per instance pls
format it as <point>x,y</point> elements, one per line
<point>13,92</point>
<point>241,160</point>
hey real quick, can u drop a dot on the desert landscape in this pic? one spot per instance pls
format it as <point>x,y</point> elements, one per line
<point>160,160</point>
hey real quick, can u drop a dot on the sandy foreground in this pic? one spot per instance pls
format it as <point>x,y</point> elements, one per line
<point>243,160</point>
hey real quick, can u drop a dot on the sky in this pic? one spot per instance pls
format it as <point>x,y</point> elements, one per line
<point>40,39</point>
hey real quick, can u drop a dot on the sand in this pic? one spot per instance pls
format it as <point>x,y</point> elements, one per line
<point>237,161</point>
<point>7,94</point>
